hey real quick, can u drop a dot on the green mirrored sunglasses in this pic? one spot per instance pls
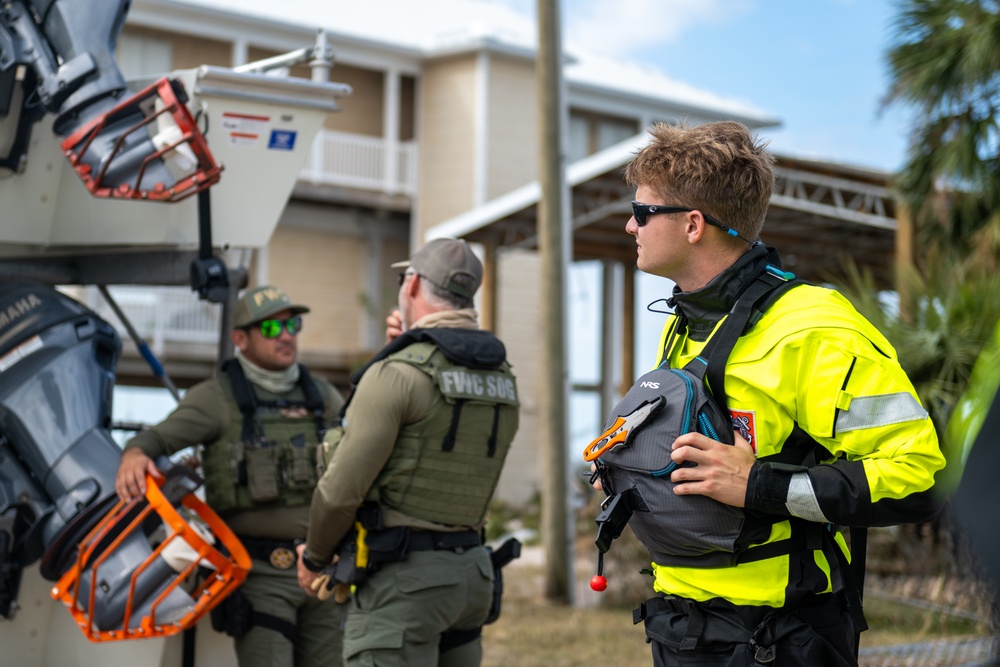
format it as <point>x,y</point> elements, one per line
<point>272,328</point>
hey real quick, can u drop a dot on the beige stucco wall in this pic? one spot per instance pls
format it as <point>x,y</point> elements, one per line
<point>513,136</point>
<point>447,140</point>
<point>321,270</point>
<point>188,51</point>
<point>361,112</point>
<point>518,326</point>
<point>322,257</point>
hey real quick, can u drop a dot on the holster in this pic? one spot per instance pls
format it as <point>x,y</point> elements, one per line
<point>233,616</point>
<point>367,546</point>
<point>345,570</point>
<point>500,557</point>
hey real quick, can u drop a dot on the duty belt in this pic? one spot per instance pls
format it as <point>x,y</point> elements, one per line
<point>279,553</point>
<point>429,540</point>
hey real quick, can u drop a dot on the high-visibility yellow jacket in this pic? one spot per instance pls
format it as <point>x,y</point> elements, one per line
<point>813,366</point>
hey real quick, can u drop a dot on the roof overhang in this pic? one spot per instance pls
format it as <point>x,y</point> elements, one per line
<point>822,215</point>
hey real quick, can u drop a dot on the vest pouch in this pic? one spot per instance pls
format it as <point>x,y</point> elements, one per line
<point>262,460</point>
<point>224,467</point>
<point>676,529</point>
<point>300,467</point>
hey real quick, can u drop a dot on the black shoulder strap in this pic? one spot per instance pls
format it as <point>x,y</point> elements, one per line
<point>246,399</point>
<point>761,294</point>
<point>314,400</point>
<point>398,343</point>
<point>243,394</point>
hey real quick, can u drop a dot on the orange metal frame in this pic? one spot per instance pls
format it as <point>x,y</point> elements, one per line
<point>229,572</point>
<point>206,174</point>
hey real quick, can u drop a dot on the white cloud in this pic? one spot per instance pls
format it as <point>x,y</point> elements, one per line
<point>629,27</point>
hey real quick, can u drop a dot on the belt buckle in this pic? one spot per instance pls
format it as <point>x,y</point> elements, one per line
<point>282,558</point>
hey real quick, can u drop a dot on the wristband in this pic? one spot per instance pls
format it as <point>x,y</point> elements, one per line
<point>309,565</point>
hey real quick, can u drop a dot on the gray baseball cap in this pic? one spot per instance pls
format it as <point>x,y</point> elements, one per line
<point>260,303</point>
<point>448,263</point>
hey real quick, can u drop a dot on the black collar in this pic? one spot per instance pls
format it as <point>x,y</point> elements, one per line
<point>702,308</point>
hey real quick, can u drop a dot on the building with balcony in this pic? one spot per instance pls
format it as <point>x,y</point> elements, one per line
<point>439,138</point>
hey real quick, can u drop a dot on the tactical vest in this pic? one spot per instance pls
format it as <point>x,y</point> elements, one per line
<point>265,459</point>
<point>445,467</point>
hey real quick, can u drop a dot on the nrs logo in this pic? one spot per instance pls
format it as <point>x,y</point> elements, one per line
<point>650,385</point>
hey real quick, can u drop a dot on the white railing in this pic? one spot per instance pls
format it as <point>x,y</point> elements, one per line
<point>160,315</point>
<point>354,160</point>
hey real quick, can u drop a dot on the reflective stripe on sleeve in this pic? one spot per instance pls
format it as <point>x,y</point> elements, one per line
<point>881,410</point>
<point>801,501</point>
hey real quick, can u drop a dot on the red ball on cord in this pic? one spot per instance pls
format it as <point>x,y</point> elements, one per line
<point>598,583</point>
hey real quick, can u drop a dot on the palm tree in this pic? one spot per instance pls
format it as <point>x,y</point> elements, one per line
<point>954,312</point>
<point>945,63</point>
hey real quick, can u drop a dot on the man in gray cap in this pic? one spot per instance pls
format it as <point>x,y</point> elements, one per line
<point>411,472</point>
<point>259,422</point>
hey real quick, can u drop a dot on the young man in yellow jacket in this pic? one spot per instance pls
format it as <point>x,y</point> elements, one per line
<point>829,430</point>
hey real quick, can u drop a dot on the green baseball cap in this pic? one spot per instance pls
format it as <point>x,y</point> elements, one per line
<point>448,263</point>
<point>260,303</point>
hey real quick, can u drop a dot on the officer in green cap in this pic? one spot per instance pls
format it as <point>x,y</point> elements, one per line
<point>412,470</point>
<point>259,422</point>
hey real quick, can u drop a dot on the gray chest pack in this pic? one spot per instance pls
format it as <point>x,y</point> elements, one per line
<point>633,455</point>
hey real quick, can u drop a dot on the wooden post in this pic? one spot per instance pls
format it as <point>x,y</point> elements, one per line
<point>904,259</point>
<point>628,329</point>
<point>488,291</point>
<point>555,525</point>
<point>609,326</point>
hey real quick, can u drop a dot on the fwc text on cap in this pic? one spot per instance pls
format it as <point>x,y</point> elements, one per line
<point>260,303</point>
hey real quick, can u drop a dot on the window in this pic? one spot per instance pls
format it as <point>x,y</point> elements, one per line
<point>590,133</point>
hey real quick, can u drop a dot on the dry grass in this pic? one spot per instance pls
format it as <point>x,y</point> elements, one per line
<point>532,632</point>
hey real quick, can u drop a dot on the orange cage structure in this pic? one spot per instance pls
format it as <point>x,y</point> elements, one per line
<point>160,105</point>
<point>153,566</point>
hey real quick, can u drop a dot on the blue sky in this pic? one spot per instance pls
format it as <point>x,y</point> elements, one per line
<point>818,65</point>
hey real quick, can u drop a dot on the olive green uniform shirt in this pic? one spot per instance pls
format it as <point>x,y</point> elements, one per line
<point>388,397</point>
<point>204,416</point>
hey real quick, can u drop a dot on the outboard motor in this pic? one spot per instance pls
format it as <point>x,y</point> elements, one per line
<point>57,458</point>
<point>58,56</point>
<point>123,569</point>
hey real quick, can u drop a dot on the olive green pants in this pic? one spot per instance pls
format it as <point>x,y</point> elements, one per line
<point>399,614</point>
<point>319,625</point>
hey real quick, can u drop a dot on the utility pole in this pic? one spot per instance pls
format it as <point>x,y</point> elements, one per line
<point>554,250</point>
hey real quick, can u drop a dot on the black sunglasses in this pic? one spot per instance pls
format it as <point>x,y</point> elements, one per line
<point>641,213</point>
<point>403,275</point>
